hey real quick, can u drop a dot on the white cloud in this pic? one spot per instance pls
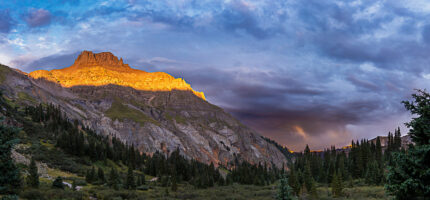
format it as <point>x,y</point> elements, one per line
<point>426,76</point>
<point>368,67</point>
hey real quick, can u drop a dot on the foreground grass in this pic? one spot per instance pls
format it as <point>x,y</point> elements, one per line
<point>358,193</point>
<point>186,191</point>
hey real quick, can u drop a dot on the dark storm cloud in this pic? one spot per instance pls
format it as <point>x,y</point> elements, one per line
<point>275,104</point>
<point>37,17</point>
<point>265,102</point>
<point>315,121</point>
<point>272,105</point>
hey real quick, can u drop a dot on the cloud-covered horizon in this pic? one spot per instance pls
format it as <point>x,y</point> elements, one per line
<point>300,72</point>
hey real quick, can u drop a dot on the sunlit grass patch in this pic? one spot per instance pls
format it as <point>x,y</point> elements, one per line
<point>26,97</point>
<point>55,173</point>
<point>47,143</point>
<point>120,112</point>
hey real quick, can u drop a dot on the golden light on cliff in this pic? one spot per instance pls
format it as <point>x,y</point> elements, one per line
<point>104,68</point>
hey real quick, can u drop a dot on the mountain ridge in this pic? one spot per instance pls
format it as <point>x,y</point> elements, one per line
<point>150,120</point>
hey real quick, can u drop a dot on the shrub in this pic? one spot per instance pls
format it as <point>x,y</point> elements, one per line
<point>32,194</point>
<point>63,194</point>
<point>10,197</point>
<point>79,182</point>
<point>114,194</point>
<point>143,187</point>
<point>58,183</point>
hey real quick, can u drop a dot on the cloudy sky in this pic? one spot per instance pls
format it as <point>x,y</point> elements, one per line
<point>300,72</point>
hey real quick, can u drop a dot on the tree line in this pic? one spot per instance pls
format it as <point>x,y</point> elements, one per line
<point>403,172</point>
<point>363,159</point>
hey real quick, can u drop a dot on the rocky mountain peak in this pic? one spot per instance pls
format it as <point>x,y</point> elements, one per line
<point>103,59</point>
<point>98,69</point>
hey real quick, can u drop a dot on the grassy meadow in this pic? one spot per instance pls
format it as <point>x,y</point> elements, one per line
<point>185,191</point>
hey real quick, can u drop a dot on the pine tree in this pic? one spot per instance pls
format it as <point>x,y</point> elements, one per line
<point>130,182</point>
<point>143,179</point>
<point>419,131</point>
<point>74,185</point>
<point>88,177</point>
<point>378,150</point>
<point>397,139</point>
<point>10,176</point>
<point>293,182</point>
<point>229,179</point>
<point>166,192</point>
<point>33,178</point>
<point>284,190</point>
<point>114,179</point>
<point>340,185</point>
<point>308,180</point>
<point>408,174</point>
<point>101,175</point>
<point>174,184</point>
<point>371,174</point>
<point>221,181</point>
<point>336,185</point>
<point>350,181</point>
<point>58,183</point>
<point>139,181</point>
<point>390,142</point>
<point>91,176</point>
<point>313,190</point>
<point>307,152</point>
<point>303,190</point>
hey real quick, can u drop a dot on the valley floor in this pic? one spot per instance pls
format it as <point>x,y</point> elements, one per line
<point>233,192</point>
<point>250,192</point>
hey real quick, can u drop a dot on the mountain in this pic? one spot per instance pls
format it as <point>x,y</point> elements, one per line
<point>406,140</point>
<point>152,111</point>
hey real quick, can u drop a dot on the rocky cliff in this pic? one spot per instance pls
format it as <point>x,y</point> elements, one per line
<point>152,111</point>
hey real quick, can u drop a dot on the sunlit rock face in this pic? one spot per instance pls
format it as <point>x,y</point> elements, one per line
<point>104,68</point>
